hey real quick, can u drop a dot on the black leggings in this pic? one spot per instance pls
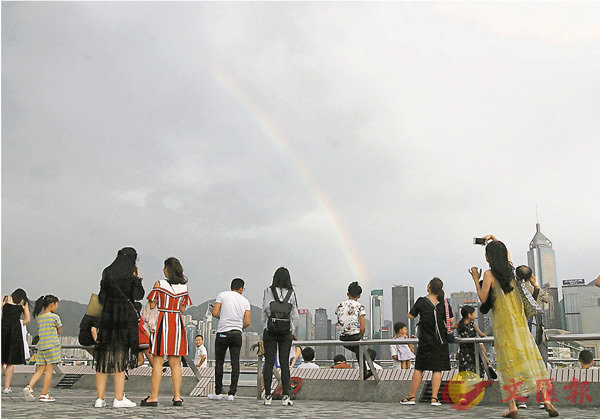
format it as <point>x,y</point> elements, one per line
<point>272,343</point>
<point>354,348</point>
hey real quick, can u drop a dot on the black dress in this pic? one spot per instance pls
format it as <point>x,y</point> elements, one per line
<point>118,339</point>
<point>432,351</point>
<point>466,354</point>
<point>13,351</point>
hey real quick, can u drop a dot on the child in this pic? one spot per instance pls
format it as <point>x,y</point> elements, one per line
<point>351,318</point>
<point>586,359</point>
<point>201,352</point>
<point>402,354</point>
<point>308,354</point>
<point>49,351</point>
<point>143,336</point>
<point>13,351</point>
<point>467,328</point>
<point>339,362</point>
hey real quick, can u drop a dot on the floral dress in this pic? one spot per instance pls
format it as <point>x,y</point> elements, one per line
<point>466,353</point>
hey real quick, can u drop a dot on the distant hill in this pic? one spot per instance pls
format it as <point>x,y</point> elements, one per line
<point>71,313</point>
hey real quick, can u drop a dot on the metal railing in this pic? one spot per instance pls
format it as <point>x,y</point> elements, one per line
<point>570,337</point>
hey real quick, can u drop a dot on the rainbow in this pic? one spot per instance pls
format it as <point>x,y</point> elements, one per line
<point>278,139</point>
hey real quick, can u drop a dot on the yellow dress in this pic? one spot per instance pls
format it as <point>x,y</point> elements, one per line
<point>517,355</point>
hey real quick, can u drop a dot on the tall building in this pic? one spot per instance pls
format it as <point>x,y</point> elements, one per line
<point>304,325</point>
<point>376,313</point>
<point>542,261</point>
<point>403,298</point>
<point>581,303</point>
<point>322,332</point>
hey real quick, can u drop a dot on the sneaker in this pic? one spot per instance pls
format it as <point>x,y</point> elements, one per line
<point>100,403</point>
<point>46,398</point>
<point>213,396</point>
<point>28,392</point>
<point>123,403</point>
<point>286,401</point>
<point>521,405</point>
<point>7,391</point>
<point>268,400</point>
<point>542,406</point>
<point>230,397</point>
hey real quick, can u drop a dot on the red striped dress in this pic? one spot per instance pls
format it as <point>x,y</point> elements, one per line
<point>170,337</point>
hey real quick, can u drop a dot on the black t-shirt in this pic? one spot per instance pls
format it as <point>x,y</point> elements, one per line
<point>424,308</point>
<point>85,330</point>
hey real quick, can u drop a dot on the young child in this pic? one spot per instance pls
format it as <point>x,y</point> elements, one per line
<point>308,354</point>
<point>467,328</point>
<point>339,362</point>
<point>201,352</point>
<point>143,337</point>
<point>586,359</point>
<point>402,354</point>
<point>49,351</point>
<point>351,318</point>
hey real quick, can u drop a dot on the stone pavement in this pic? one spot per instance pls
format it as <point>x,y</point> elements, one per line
<point>79,404</point>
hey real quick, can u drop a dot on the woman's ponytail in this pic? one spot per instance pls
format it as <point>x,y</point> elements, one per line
<point>43,302</point>
<point>436,286</point>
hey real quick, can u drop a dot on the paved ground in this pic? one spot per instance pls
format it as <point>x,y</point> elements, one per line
<point>79,404</point>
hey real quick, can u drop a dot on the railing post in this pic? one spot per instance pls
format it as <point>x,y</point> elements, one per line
<point>476,358</point>
<point>361,376</point>
<point>259,365</point>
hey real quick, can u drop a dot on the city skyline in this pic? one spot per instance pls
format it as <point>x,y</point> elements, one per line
<point>348,142</point>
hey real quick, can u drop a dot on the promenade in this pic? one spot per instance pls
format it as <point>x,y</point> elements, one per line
<point>79,404</point>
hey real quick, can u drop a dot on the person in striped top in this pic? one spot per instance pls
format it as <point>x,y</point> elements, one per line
<point>171,297</point>
<point>48,347</point>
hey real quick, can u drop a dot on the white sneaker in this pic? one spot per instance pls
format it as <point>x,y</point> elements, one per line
<point>542,406</point>
<point>521,405</point>
<point>213,396</point>
<point>100,403</point>
<point>268,400</point>
<point>286,401</point>
<point>28,392</point>
<point>46,398</point>
<point>230,397</point>
<point>123,403</point>
<point>7,391</point>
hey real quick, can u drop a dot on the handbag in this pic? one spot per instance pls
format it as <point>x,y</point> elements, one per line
<point>491,373</point>
<point>94,307</point>
<point>530,306</point>
<point>450,334</point>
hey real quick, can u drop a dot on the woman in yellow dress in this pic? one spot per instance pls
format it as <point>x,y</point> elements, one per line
<point>521,370</point>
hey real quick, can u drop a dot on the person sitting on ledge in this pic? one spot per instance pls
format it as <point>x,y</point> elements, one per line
<point>339,362</point>
<point>308,354</point>
<point>586,359</point>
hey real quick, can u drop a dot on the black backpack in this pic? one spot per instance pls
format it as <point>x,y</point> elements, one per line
<point>279,319</point>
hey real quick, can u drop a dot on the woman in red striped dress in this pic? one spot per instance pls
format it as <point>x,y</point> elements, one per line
<point>172,298</point>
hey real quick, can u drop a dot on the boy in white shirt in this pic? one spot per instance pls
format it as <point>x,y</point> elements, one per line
<point>308,354</point>
<point>200,358</point>
<point>233,311</point>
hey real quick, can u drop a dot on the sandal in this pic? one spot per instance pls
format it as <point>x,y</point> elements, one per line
<point>178,403</point>
<point>436,402</point>
<point>145,402</point>
<point>552,412</point>
<point>408,400</point>
<point>511,414</point>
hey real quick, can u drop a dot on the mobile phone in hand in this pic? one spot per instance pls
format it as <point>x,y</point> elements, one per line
<point>478,240</point>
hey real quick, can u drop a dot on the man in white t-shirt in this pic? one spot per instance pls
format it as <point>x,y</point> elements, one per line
<point>233,311</point>
<point>201,352</point>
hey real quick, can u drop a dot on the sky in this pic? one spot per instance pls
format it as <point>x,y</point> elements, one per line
<point>348,142</point>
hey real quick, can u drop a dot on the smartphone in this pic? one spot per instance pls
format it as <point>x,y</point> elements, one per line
<point>478,240</point>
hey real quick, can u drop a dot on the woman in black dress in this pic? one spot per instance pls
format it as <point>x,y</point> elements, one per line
<point>432,352</point>
<point>13,351</point>
<point>118,340</point>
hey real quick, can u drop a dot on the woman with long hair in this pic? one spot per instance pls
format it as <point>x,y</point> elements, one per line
<point>278,331</point>
<point>118,343</point>
<point>170,339</point>
<point>519,362</point>
<point>432,353</point>
<point>14,306</point>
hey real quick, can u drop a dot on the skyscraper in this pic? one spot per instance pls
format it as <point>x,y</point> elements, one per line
<point>403,298</point>
<point>542,261</point>
<point>322,332</point>
<point>376,313</point>
<point>304,324</point>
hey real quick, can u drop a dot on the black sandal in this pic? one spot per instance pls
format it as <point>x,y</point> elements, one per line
<point>178,403</point>
<point>145,402</point>
<point>408,400</point>
<point>436,402</point>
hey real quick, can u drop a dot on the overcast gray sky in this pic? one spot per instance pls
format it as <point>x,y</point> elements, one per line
<point>363,141</point>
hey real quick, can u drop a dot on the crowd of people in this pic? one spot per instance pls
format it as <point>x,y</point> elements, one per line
<point>126,331</point>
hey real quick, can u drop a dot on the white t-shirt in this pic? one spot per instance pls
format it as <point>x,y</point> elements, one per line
<point>233,307</point>
<point>308,365</point>
<point>348,314</point>
<point>200,351</point>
